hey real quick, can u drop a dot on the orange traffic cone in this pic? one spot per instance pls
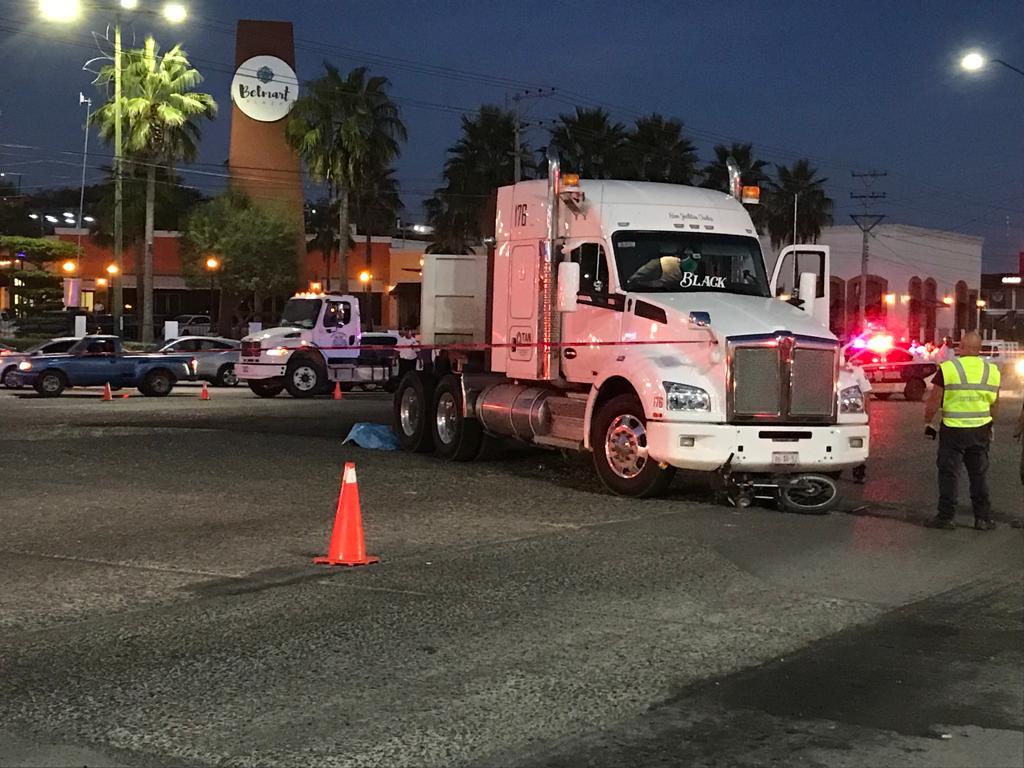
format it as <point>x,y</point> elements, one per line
<point>337,391</point>
<point>347,545</point>
<point>125,396</point>
<point>107,394</point>
<point>205,394</point>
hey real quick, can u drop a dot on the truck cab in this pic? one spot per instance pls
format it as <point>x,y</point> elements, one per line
<point>638,321</point>
<point>317,343</point>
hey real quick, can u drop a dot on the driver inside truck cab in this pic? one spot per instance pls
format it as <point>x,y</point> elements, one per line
<point>666,269</point>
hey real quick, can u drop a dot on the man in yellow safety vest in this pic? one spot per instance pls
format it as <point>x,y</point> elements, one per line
<point>966,389</point>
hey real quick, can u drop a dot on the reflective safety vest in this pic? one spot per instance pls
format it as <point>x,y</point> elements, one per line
<point>970,387</point>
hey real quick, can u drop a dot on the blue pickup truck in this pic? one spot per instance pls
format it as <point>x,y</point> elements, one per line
<point>97,360</point>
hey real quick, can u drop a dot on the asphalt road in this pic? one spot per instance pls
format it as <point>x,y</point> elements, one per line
<point>159,606</point>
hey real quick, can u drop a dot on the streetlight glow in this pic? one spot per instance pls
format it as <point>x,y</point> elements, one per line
<point>175,13</point>
<point>129,5</point>
<point>212,264</point>
<point>68,266</point>
<point>60,10</point>
<point>972,62</point>
<point>113,269</point>
<point>365,277</point>
<point>101,282</point>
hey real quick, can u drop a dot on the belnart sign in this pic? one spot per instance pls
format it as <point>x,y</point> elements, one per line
<point>265,88</point>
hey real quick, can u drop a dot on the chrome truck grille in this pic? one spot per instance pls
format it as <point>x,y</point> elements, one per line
<point>782,379</point>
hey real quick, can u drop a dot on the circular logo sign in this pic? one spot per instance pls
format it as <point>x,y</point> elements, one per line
<point>265,88</point>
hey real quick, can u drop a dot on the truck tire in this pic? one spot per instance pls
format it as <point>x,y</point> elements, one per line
<point>226,376</point>
<point>305,377</point>
<point>814,495</point>
<point>618,438</point>
<point>10,377</point>
<point>915,389</point>
<point>455,436</point>
<point>412,404</point>
<point>157,384</point>
<point>50,383</point>
<point>266,387</point>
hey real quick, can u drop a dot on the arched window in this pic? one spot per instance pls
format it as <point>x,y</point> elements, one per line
<point>837,311</point>
<point>931,303</point>
<point>914,309</point>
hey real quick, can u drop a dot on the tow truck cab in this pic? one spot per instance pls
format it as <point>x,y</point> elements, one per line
<point>315,345</point>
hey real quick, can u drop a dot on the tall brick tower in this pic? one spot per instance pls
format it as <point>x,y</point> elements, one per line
<point>263,91</point>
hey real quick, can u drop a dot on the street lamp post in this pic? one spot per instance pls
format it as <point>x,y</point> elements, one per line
<point>975,61</point>
<point>212,265</point>
<point>365,277</point>
<point>69,10</point>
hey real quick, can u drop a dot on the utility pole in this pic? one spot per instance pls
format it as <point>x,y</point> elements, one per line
<point>518,124</point>
<point>117,280</point>
<point>866,221</point>
<point>82,99</point>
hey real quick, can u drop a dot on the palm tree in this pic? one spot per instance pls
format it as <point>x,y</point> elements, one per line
<point>656,150</point>
<point>346,129</point>
<point>814,206</point>
<point>160,110</point>
<point>462,211</point>
<point>321,219</point>
<point>752,173</point>
<point>590,144</point>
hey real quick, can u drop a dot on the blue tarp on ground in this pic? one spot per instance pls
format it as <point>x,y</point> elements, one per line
<point>376,437</point>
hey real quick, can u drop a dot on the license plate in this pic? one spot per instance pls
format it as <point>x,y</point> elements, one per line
<point>893,376</point>
<point>786,458</point>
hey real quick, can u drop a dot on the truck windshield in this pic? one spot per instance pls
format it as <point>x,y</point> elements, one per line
<point>300,313</point>
<point>680,262</point>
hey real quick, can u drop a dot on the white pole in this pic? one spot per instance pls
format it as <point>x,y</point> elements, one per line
<point>796,197</point>
<point>81,194</point>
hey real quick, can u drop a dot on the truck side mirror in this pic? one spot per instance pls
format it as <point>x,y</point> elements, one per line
<point>568,286</point>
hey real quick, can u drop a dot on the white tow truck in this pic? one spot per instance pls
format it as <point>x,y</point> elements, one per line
<point>636,321</point>
<point>315,345</point>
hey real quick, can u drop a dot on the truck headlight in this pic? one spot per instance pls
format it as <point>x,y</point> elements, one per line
<point>278,352</point>
<point>1019,367</point>
<point>683,397</point>
<point>851,400</point>
<point>25,365</point>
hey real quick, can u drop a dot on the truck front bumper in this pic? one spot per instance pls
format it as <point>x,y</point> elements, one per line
<point>247,371</point>
<point>759,448</point>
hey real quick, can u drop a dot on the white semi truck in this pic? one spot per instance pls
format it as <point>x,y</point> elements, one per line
<point>316,345</point>
<point>636,321</point>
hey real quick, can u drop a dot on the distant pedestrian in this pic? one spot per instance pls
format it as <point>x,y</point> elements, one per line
<point>1019,434</point>
<point>406,351</point>
<point>966,390</point>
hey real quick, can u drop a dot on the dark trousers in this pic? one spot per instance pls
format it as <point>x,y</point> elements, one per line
<point>966,447</point>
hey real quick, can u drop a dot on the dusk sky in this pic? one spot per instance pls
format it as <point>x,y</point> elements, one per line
<point>850,85</point>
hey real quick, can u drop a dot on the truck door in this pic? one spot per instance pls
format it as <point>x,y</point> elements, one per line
<point>801,276</point>
<point>339,328</point>
<point>96,364</point>
<point>598,318</point>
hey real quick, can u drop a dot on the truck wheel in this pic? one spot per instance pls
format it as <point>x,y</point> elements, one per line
<point>455,437</point>
<point>618,438</point>
<point>304,377</point>
<point>157,384</point>
<point>266,387</point>
<point>226,376</point>
<point>50,383</point>
<point>809,495</point>
<point>915,389</point>
<point>10,377</point>
<point>413,400</point>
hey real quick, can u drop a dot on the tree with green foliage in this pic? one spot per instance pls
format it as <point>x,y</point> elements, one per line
<point>657,150</point>
<point>160,110</point>
<point>591,144</point>
<point>814,207</point>
<point>256,248</point>
<point>462,211</point>
<point>348,131</point>
<point>753,172</point>
<point>24,263</point>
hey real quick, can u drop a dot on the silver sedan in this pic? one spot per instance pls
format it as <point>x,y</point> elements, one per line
<point>215,357</point>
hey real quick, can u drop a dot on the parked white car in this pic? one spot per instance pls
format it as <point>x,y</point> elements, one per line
<point>215,357</point>
<point>193,325</point>
<point>9,359</point>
